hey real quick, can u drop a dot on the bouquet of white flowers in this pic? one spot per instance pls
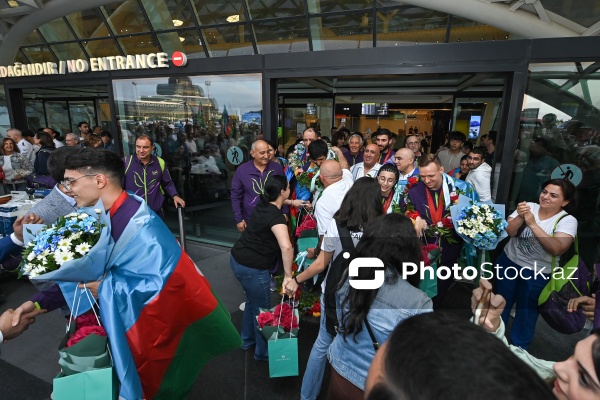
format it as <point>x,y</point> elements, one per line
<point>71,237</point>
<point>481,224</point>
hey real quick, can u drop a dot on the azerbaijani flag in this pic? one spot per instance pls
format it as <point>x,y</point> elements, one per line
<point>162,318</point>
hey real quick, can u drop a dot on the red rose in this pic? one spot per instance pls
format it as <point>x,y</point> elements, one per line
<point>289,321</point>
<point>412,214</point>
<point>310,175</point>
<point>84,332</point>
<point>266,318</point>
<point>453,197</point>
<point>412,181</point>
<point>283,308</point>
<point>316,307</point>
<point>447,222</point>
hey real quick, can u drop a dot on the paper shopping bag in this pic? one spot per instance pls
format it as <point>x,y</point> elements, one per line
<point>89,353</point>
<point>283,357</point>
<point>99,384</point>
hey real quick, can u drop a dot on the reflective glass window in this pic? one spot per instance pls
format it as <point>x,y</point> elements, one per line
<point>168,14</point>
<point>101,48</point>
<point>88,24</point>
<point>281,36</point>
<point>466,30</point>
<point>20,57</point>
<point>143,44</point>
<point>221,12</point>
<point>32,38</point>
<point>126,17</point>
<point>325,6</point>
<point>38,53</point>
<point>57,115</point>
<point>263,9</point>
<point>348,31</point>
<point>35,114</point>
<point>191,137</point>
<point>56,31</point>
<point>410,25</point>
<point>559,137</point>
<point>228,40</point>
<point>4,116</point>
<point>583,12</point>
<point>187,41</point>
<point>82,111</point>
<point>68,51</point>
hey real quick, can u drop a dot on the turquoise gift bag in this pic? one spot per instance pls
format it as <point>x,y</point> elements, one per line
<point>283,357</point>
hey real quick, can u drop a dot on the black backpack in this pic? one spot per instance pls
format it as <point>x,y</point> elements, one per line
<point>335,278</point>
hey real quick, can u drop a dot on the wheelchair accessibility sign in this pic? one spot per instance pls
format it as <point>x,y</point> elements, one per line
<point>570,172</point>
<point>235,155</point>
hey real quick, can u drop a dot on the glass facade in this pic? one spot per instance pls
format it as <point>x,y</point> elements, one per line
<point>194,121</point>
<point>560,138</point>
<point>4,117</point>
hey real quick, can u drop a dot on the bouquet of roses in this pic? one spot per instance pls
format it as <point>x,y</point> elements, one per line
<point>309,179</point>
<point>69,238</point>
<point>279,322</point>
<point>480,224</point>
<point>306,225</point>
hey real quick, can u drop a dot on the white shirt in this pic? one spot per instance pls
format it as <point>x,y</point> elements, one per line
<point>58,143</point>
<point>333,244</point>
<point>331,200</point>
<point>9,172</point>
<point>525,250</point>
<point>480,178</point>
<point>358,170</point>
<point>405,177</point>
<point>25,148</point>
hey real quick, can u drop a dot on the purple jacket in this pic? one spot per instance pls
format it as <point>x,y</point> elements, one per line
<point>247,186</point>
<point>146,181</point>
<point>353,160</point>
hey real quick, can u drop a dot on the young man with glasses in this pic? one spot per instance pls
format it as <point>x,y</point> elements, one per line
<point>480,173</point>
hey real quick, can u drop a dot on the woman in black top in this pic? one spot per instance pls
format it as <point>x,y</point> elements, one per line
<point>47,146</point>
<point>257,251</point>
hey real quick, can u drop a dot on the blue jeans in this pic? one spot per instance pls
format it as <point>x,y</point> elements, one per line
<point>256,284</point>
<point>525,291</point>
<point>315,368</point>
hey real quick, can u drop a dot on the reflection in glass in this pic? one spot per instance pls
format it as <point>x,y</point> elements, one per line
<point>280,36</point>
<point>466,30</point>
<point>559,137</point>
<point>57,115</point>
<point>101,48</point>
<point>88,24</point>
<point>348,31</point>
<point>4,117</point>
<point>20,58</point>
<point>187,41</point>
<point>56,31</point>
<point>221,12</point>
<point>35,114</point>
<point>409,25</point>
<point>191,137</point>
<point>168,14</point>
<point>262,9</point>
<point>583,12</point>
<point>126,17</point>
<point>68,51</point>
<point>81,111</point>
<point>228,40</point>
<point>38,54</point>
<point>32,38</point>
<point>143,44</point>
<point>325,6</point>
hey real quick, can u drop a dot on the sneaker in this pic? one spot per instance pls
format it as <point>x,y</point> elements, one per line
<point>274,285</point>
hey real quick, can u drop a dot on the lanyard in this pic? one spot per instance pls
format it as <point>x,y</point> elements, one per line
<point>118,203</point>
<point>387,201</point>
<point>436,212</point>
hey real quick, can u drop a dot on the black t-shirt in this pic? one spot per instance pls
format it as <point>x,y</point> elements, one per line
<point>258,247</point>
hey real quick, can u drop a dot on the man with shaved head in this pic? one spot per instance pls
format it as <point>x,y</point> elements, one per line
<point>337,182</point>
<point>370,165</point>
<point>249,181</point>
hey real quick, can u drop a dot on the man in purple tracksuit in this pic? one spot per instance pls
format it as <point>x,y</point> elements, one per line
<point>147,176</point>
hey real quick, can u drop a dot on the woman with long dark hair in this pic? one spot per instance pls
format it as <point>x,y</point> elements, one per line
<point>361,204</point>
<point>264,240</point>
<point>388,176</point>
<point>540,234</point>
<point>368,316</point>
<point>47,146</point>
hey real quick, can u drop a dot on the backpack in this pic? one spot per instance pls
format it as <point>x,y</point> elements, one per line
<point>161,162</point>
<point>335,278</point>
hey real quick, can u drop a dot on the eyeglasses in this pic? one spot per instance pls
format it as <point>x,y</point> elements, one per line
<point>69,181</point>
<point>382,179</point>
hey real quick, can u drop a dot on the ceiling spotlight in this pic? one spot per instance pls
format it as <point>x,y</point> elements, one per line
<point>233,18</point>
<point>181,39</point>
<point>13,3</point>
<point>177,22</point>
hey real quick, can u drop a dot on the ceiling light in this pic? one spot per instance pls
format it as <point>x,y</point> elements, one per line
<point>177,22</point>
<point>181,39</point>
<point>233,18</point>
<point>13,3</point>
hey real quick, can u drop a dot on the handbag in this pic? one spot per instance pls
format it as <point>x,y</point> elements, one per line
<point>571,282</point>
<point>87,371</point>
<point>40,181</point>
<point>283,353</point>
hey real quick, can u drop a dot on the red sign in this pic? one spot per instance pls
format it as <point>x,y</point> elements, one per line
<point>179,59</point>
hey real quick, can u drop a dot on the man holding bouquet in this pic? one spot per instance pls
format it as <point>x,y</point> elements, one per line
<point>158,346</point>
<point>430,198</point>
